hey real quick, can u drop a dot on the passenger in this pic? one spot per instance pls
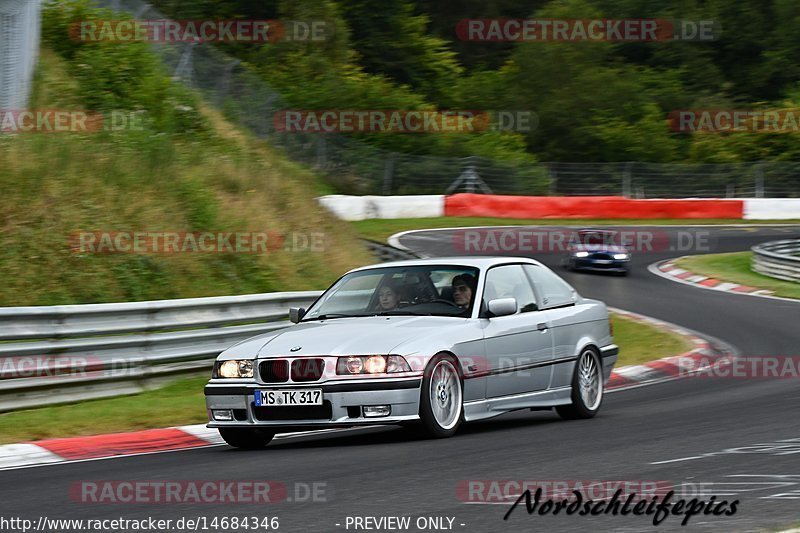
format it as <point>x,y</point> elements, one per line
<point>463,289</point>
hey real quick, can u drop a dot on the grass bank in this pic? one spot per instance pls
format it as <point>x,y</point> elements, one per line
<point>735,268</point>
<point>639,343</point>
<point>221,180</point>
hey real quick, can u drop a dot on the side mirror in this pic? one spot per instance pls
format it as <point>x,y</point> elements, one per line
<point>502,307</point>
<point>296,314</point>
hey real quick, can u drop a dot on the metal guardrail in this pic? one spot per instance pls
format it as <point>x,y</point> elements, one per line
<point>778,259</point>
<point>384,252</point>
<point>66,353</point>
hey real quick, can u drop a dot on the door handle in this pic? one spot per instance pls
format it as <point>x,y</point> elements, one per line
<point>542,327</point>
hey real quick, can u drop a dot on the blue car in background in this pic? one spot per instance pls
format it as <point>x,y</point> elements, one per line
<point>597,250</point>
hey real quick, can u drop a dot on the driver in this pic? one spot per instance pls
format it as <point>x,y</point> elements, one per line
<point>463,289</point>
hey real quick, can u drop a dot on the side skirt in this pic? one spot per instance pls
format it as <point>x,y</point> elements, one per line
<point>481,409</point>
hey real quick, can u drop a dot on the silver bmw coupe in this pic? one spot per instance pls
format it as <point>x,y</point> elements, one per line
<point>427,343</point>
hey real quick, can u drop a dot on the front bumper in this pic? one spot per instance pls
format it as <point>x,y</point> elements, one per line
<point>344,399</point>
<point>601,265</point>
<point>609,355</point>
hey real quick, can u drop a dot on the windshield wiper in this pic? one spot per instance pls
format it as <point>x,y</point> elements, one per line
<point>400,313</point>
<point>329,315</point>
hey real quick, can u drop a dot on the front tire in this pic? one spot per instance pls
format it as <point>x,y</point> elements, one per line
<point>441,405</point>
<point>245,438</point>
<point>587,387</point>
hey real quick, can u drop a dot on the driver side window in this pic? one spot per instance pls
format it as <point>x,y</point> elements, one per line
<point>509,281</point>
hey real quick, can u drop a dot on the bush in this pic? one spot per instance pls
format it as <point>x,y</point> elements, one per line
<point>119,75</point>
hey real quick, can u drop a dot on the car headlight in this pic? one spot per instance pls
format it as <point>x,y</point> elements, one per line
<point>621,256</point>
<point>233,368</point>
<point>581,254</point>
<point>371,364</point>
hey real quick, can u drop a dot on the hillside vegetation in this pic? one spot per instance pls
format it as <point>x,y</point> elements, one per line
<point>186,170</point>
<point>596,100</point>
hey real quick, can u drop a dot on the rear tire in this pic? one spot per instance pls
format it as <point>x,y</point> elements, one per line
<point>441,403</point>
<point>245,438</point>
<point>587,387</point>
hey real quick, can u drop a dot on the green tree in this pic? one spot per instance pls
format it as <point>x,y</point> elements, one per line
<point>392,41</point>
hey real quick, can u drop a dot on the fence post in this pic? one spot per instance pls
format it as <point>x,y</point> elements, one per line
<point>759,180</point>
<point>553,173</point>
<point>184,70</point>
<point>626,179</point>
<point>388,171</point>
<point>226,81</point>
<point>20,24</point>
<point>321,152</point>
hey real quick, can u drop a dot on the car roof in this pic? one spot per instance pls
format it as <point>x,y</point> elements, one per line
<point>481,262</point>
<point>589,230</point>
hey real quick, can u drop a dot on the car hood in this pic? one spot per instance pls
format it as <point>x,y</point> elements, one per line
<point>343,336</point>
<point>592,248</point>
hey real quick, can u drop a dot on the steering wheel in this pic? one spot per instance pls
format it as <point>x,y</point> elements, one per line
<point>443,301</point>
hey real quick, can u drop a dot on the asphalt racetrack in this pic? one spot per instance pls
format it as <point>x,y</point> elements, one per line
<point>735,439</point>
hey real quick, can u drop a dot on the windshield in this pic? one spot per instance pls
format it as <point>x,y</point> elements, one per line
<point>596,238</point>
<point>433,290</point>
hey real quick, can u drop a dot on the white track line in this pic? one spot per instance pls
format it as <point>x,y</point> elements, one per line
<point>48,458</point>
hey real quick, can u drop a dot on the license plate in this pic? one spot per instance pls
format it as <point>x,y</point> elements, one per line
<point>288,397</point>
<point>603,261</point>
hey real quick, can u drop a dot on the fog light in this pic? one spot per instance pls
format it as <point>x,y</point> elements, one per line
<point>372,411</point>
<point>222,414</point>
